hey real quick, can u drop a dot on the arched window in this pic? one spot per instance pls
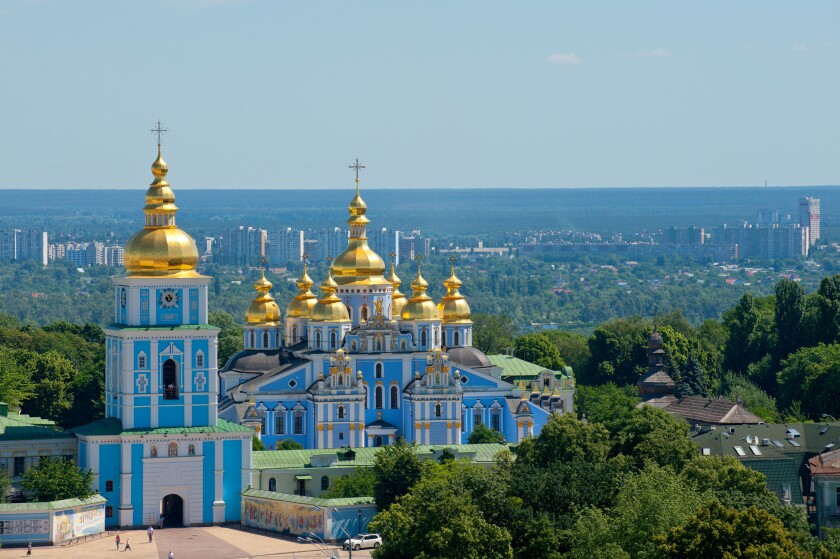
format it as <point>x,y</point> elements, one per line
<point>364,313</point>
<point>377,440</point>
<point>444,338</point>
<point>153,451</point>
<point>395,397</point>
<point>332,340</point>
<point>191,450</point>
<point>340,412</point>
<point>423,338</point>
<point>253,339</point>
<point>294,334</point>
<point>272,484</point>
<point>377,370</point>
<point>438,410</point>
<point>173,449</point>
<point>317,339</point>
<point>265,338</point>
<point>456,338</point>
<point>141,361</point>
<point>341,379</point>
<point>378,396</point>
<point>170,380</point>
<point>199,359</point>
<point>325,483</point>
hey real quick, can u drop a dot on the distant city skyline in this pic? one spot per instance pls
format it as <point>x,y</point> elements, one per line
<point>260,94</point>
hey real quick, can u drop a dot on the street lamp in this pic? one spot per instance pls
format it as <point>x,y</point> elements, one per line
<point>318,543</point>
<point>829,416</point>
<point>359,515</point>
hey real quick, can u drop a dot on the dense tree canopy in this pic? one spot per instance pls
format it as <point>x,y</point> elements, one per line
<point>54,479</point>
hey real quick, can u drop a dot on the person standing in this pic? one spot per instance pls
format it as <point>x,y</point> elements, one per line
<point>127,544</point>
<point>151,533</point>
<point>118,542</point>
<point>29,549</point>
<point>171,555</point>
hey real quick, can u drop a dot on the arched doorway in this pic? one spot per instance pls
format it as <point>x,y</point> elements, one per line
<point>172,510</point>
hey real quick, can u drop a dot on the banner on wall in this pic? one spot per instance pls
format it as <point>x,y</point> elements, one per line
<point>81,522</point>
<point>281,516</point>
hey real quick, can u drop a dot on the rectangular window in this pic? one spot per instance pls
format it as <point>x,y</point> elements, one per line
<point>109,512</point>
<point>280,424</point>
<point>298,423</point>
<point>199,360</point>
<point>109,486</point>
<point>477,418</point>
<point>20,464</point>
<point>837,501</point>
<point>497,420</point>
<point>141,361</point>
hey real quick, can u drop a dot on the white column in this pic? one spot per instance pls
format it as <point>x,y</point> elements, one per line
<point>218,494</point>
<point>126,509</point>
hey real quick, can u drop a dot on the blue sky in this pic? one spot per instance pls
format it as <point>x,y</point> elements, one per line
<point>272,94</point>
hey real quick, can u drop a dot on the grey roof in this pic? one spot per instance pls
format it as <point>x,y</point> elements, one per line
<point>468,357</point>
<point>706,410</point>
<point>258,361</point>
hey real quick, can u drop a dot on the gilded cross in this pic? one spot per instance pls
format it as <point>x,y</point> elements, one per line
<point>356,166</point>
<point>159,130</point>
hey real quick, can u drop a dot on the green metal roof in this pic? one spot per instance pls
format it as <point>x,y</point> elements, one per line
<point>17,427</point>
<point>112,426</point>
<point>515,367</point>
<point>326,503</point>
<point>52,505</point>
<point>299,459</point>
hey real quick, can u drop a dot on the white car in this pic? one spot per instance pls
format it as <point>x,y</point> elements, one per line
<point>363,541</point>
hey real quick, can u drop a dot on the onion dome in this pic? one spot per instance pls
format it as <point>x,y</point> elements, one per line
<point>398,300</point>
<point>420,306</point>
<point>160,248</point>
<point>301,305</point>
<point>453,307</point>
<point>263,309</point>
<point>358,263</point>
<point>329,308</point>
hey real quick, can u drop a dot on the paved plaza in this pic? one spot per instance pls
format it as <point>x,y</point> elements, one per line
<point>186,543</point>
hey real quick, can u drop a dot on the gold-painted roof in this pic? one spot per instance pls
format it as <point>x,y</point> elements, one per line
<point>453,307</point>
<point>160,248</point>
<point>420,306</point>
<point>263,310</point>
<point>358,263</point>
<point>398,300</point>
<point>301,305</point>
<point>329,308</point>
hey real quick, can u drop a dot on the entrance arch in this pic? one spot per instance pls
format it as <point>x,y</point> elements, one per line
<point>172,509</point>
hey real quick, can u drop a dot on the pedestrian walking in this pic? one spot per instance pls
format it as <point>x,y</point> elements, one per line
<point>151,533</point>
<point>171,555</point>
<point>127,544</point>
<point>29,549</point>
<point>118,542</point>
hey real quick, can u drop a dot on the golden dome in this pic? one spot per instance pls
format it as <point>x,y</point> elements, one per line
<point>329,308</point>
<point>263,309</point>
<point>420,306</point>
<point>160,248</point>
<point>453,307</point>
<point>301,305</point>
<point>398,300</point>
<point>358,263</point>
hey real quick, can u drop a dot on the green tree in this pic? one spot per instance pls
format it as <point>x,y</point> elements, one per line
<point>737,388</point>
<point>607,404</point>
<point>828,305</point>
<point>790,308</point>
<point>5,485</point>
<point>50,373</point>
<point>538,349</point>
<point>618,350</point>
<point>572,346</point>
<point>718,531</point>
<point>361,483</point>
<point>257,444</point>
<point>57,479</point>
<point>397,468</point>
<point>692,381</point>
<point>493,333</point>
<point>749,333</point>
<point>15,381</point>
<point>565,438</point>
<point>288,444</point>
<point>812,376</point>
<point>231,335</point>
<point>653,435</point>
<point>729,481</point>
<point>438,518</point>
<point>483,434</point>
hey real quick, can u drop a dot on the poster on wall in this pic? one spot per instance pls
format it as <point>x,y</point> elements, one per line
<point>82,522</point>
<point>26,526</point>
<point>281,516</point>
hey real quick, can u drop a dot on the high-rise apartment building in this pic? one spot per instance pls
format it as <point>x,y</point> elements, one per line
<point>16,244</point>
<point>240,246</point>
<point>285,245</point>
<point>809,216</point>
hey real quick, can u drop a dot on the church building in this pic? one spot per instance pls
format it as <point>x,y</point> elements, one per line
<point>161,448</point>
<point>363,364</point>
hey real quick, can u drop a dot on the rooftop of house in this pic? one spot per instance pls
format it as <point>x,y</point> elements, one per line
<point>52,505</point>
<point>519,368</point>
<point>707,410</point>
<point>112,426</point>
<point>18,426</point>
<point>289,498</point>
<point>355,457</point>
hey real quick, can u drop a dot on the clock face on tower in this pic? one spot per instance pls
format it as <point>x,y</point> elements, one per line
<point>168,299</point>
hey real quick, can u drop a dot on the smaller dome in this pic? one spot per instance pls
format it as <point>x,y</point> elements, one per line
<point>453,307</point>
<point>301,305</point>
<point>329,308</point>
<point>263,310</point>
<point>398,299</point>
<point>420,306</point>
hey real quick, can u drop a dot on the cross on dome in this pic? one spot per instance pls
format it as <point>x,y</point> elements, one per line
<point>159,130</point>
